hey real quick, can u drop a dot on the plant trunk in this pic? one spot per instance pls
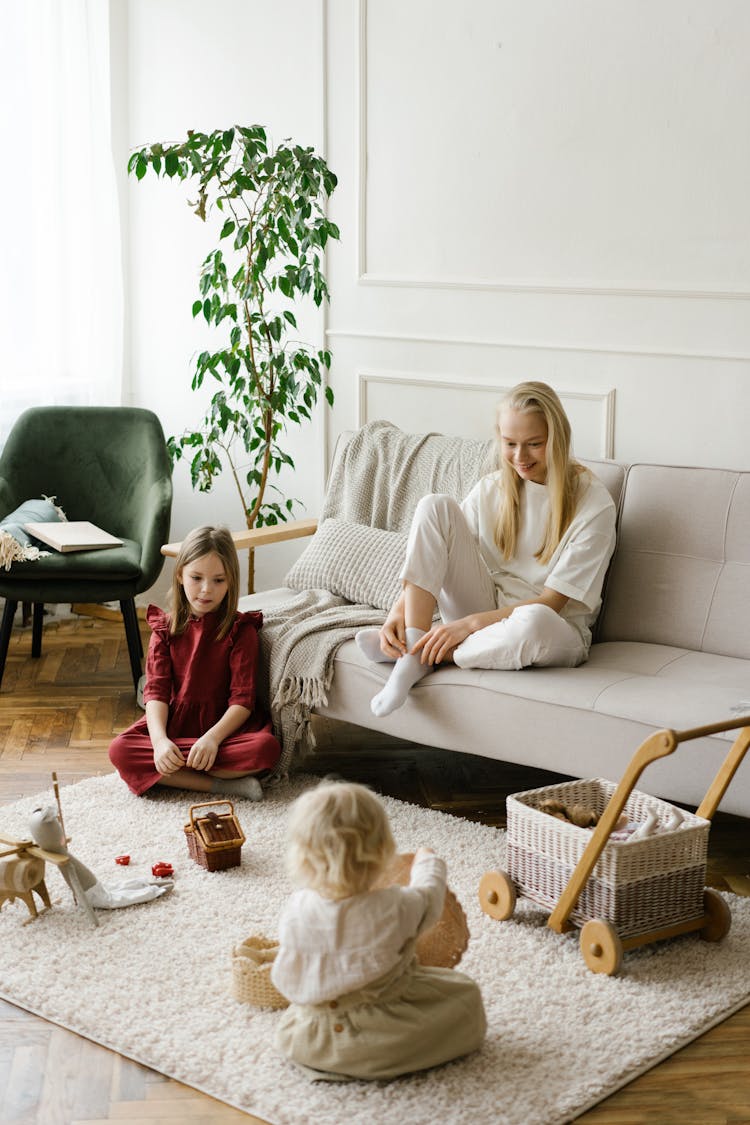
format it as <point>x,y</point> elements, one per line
<point>251,570</point>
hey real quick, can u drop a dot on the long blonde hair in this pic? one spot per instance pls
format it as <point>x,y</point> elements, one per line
<point>563,473</point>
<point>199,542</point>
<point>339,839</point>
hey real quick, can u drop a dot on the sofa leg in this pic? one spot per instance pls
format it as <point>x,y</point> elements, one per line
<point>5,630</point>
<point>36,629</point>
<point>132,632</point>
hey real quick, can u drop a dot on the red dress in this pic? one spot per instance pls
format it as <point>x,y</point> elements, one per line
<point>198,677</point>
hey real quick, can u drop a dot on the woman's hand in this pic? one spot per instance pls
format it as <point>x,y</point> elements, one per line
<point>203,753</point>
<point>167,757</point>
<point>421,853</point>
<point>393,633</point>
<point>441,641</point>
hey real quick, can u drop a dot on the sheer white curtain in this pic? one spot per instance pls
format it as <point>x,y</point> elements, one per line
<point>61,301</point>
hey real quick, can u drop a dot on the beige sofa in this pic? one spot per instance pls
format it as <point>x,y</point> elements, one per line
<point>672,649</point>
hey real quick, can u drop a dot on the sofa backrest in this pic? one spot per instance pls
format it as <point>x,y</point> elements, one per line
<point>611,474</point>
<point>681,569</point>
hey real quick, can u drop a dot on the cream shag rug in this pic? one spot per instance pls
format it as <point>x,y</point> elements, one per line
<point>153,981</point>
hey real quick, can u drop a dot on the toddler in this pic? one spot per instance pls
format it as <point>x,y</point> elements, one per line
<point>361,1005</point>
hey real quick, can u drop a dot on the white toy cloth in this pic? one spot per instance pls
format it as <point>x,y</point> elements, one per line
<point>127,893</point>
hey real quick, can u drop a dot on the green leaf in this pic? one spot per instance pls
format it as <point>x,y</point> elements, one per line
<point>227,228</point>
<point>197,306</point>
<point>329,396</point>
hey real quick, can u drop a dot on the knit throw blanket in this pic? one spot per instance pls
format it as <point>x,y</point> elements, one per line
<point>375,483</point>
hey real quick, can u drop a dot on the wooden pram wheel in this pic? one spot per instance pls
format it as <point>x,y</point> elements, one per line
<point>497,895</point>
<point>601,947</point>
<point>718,916</point>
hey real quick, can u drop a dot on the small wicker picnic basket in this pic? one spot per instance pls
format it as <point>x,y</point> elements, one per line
<point>214,839</point>
<point>251,973</point>
<point>637,885</point>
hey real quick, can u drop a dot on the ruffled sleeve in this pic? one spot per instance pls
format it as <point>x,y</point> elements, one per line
<point>158,660</point>
<point>243,659</point>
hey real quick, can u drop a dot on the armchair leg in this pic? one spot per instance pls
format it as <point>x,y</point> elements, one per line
<point>36,629</point>
<point>5,630</point>
<point>132,632</point>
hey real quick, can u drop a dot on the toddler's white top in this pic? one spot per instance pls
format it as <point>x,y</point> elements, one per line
<point>579,564</point>
<point>328,948</point>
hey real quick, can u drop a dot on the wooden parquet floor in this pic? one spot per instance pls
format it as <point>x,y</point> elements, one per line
<point>60,713</point>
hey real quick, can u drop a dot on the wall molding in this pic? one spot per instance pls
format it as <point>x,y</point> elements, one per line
<point>528,345</point>
<point>584,288</point>
<point>367,377</point>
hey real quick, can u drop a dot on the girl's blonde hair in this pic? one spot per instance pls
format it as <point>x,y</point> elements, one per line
<point>339,839</point>
<point>199,542</point>
<point>563,472</point>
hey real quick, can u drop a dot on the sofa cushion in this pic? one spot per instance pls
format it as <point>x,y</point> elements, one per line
<point>585,722</point>
<point>355,561</point>
<point>681,568</point>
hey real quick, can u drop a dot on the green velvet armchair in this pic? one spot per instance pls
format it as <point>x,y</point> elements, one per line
<point>108,465</point>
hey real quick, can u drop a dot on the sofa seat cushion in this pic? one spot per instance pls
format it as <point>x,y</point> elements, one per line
<point>586,721</point>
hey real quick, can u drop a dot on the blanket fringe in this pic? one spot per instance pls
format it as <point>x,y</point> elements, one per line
<point>11,551</point>
<point>301,692</point>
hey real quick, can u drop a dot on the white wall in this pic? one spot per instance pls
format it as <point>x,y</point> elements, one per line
<point>549,190</point>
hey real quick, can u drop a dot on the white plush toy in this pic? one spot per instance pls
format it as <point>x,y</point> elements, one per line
<point>48,833</point>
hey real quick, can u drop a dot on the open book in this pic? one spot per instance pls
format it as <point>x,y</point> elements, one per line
<point>73,535</point>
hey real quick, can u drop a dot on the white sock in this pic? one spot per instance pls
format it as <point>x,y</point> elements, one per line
<point>368,642</point>
<point>407,671</point>
<point>248,787</point>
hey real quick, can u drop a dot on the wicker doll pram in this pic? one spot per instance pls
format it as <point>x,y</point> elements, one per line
<point>622,893</point>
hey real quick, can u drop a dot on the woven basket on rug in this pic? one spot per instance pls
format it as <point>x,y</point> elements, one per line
<point>214,840</point>
<point>637,885</point>
<point>444,944</point>
<point>251,973</point>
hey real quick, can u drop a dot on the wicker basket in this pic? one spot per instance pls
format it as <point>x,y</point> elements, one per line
<point>637,885</point>
<point>251,973</point>
<point>444,944</point>
<point>214,840</point>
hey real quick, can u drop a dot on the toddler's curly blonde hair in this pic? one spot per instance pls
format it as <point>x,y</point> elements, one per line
<point>339,839</point>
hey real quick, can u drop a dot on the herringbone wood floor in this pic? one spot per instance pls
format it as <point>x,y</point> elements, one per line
<point>60,713</point>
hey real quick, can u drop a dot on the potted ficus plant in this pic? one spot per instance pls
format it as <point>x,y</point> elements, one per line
<point>269,255</point>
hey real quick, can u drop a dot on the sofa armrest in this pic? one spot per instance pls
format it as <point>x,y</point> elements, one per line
<point>259,536</point>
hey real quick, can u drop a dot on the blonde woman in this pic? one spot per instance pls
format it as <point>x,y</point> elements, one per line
<point>515,570</point>
<point>361,1006</point>
<point>202,730</point>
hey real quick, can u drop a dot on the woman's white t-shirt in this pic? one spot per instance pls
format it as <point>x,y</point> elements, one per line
<point>579,564</point>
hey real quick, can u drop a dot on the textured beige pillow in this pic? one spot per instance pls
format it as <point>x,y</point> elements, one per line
<point>355,561</point>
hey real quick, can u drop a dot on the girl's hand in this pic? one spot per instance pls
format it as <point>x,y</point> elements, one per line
<point>441,641</point>
<point>393,633</point>
<point>167,757</point>
<point>420,853</point>
<point>202,753</point>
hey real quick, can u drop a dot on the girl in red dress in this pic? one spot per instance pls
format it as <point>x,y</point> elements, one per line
<point>202,730</point>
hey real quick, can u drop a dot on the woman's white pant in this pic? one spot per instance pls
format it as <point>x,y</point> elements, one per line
<point>442,556</point>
